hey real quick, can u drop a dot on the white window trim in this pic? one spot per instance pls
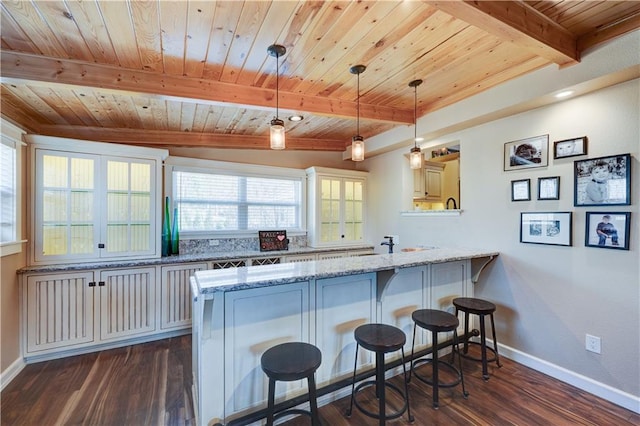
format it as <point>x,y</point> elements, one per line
<point>14,134</point>
<point>172,164</point>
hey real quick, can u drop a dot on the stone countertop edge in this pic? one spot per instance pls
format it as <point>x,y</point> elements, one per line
<point>233,279</point>
<point>199,257</point>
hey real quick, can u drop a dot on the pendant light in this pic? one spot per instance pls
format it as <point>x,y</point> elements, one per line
<point>277,125</point>
<point>415,157</point>
<point>357,143</point>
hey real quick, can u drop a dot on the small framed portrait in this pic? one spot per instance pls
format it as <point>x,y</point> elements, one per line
<point>520,190</point>
<point>570,148</point>
<point>607,230</point>
<point>549,188</point>
<point>552,228</point>
<point>604,181</point>
<point>526,153</point>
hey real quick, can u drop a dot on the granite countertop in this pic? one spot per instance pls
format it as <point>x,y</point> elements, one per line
<point>221,280</point>
<point>185,258</point>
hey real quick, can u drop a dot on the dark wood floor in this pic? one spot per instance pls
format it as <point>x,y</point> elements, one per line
<point>150,384</point>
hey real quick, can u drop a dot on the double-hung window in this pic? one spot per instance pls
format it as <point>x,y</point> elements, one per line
<point>237,199</point>
<point>10,191</point>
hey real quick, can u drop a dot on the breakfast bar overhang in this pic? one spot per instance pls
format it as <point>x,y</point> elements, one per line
<point>238,313</point>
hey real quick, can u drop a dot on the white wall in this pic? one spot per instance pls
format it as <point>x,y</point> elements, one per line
<point>548,297</point>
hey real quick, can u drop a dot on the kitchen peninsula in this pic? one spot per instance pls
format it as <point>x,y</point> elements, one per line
<point>238,313</point>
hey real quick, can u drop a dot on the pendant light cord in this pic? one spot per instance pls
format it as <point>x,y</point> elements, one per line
<point>415,116</point>
<point>277,83</point>
<point>358,107</point>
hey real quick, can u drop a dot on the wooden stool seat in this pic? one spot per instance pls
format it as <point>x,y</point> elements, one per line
<point>437,322</point>
<point>381,339</point>
<point>482,308</point>
<point>289,362</point>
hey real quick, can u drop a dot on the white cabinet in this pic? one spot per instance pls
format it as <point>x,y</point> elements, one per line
<point>127,302</point>
<point>94,201</point>
<point>428,182</point>
<point>58,311</point>
<point>175,294</point>
<point>336,212</point>
<point>69,310</point>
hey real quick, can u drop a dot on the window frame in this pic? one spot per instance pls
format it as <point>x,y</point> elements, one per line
<point>192,165</point>
<point>12,137</point>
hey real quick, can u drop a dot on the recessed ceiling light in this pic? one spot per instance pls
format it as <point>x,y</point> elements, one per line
<point>296,118</point>
<point>564,94</point>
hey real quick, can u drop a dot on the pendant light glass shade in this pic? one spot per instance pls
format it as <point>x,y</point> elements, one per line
<point>357,148</point>
<point>357,143</point>
<point>276,135</point>
<point>415,156</point>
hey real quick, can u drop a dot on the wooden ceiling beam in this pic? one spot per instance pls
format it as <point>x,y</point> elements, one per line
<point>517,22</point>
<point>26,67</point>
<point>601,35</point>
<point>162,138</point>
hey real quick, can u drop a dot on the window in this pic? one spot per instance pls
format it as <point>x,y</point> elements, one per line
<point>10,190</point>
<point>234,200</point>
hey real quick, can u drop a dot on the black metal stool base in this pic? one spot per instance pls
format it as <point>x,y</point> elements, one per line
<point>371,414</point>
<point>475,358</point>
<point>449,366</point>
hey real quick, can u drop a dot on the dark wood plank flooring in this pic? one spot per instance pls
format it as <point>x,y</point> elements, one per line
<point>150,384</point>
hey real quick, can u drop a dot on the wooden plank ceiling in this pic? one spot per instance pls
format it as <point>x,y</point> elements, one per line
<point>197,73</point>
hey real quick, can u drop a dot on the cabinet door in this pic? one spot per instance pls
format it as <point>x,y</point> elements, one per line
<point>433,184</point>
<point>127,302</point>
<point>418,183</point>
<point>175,294</point>
<point>255,320</point>
<point>59,311</point>
<point>343,304</point>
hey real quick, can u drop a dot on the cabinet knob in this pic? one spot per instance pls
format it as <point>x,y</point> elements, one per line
<point>101,245</point>
<point>92,284</point>
<point>101,284</point>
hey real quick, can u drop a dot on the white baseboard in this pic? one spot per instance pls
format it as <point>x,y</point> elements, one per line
<point>613,395</point>
<point>11,372</point>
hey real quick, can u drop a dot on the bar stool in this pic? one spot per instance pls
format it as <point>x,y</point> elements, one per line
<point>381,339</point>
<point>482,308</point>
<point>436,322</point>
<point>290,362</point>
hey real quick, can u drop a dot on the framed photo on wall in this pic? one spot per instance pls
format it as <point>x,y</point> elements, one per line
<point>552,228</point>
<point>607,230</point>
<point>520,190</point>
<point>570,148</point>
<point>549,188</point>
<point>526,153</point>
<point>603,181</point>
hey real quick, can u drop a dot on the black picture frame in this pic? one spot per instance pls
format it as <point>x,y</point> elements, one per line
<point>570,148</point>
<point>521,190</point>
<point>602,181</point>
<point>549,188</point>
<point>549,228</point>
<point>526,153</point>
<point>610,230</point>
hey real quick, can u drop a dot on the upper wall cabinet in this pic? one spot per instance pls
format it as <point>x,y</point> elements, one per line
<point>91,204</point>
<point>428,181</point>
<point>336,211</point>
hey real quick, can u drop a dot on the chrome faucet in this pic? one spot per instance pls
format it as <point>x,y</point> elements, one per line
<point>388,243</point>
<point>455,206</point>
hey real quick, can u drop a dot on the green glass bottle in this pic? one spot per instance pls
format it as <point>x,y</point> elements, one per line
<point>175,233</point>
<point>166,230</point>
